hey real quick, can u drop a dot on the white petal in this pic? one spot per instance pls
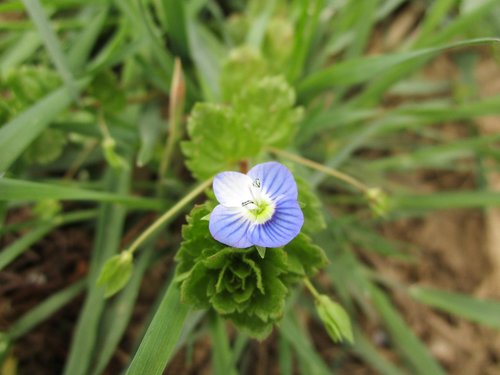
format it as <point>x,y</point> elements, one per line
<point>233,189</point>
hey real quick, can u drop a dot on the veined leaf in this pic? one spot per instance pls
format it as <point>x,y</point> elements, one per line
<point>482,311</point>
<point>19,190</point>
<point>356,71</point>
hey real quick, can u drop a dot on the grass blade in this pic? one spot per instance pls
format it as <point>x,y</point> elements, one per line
<point>356,71</point>
<point>107,242</point>
<point>16,248</point>
<point>117,315</point>
<point>405,340</point>
<point>162,335</point>
<point>19,190</point>
<point>222,356</point>
<point>44,310</point>
<point>304,349</point>
<point>17,134</point>
<point>439,201</point>
<point>485,312</point>
<point>49,38</point>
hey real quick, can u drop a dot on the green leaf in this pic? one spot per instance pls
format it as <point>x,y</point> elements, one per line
<point>37,14</point>
<point>335,319</point>
<point>194,288</point>
<point>18,190</point>
<point>261,250</point>
<point>403,337</point>
<point>45,310</point>
<point>116,273</point>
<point>106,89</point>
<point>219,140</point>
<point>16,135</point>
<point>359,70</point>
<point>308,256</point>
<point>267,105</point>
<point>151,127</point>
<point>314,221</point>
<point>243,66</point>
<point>174,21</point>
<point>161,336</point>
<point>482,311</point>
<point>46,148</point>
<point>109,226</point>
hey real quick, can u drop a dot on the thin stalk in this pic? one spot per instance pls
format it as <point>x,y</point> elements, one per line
<point>168,215</point>
<point>320,167</point>
<point>311,288</point>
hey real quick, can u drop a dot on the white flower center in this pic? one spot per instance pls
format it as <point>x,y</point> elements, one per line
<point>260,208</point>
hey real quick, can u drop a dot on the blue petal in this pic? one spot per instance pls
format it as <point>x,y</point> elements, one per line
<point>229,226</point>
<point>276,180</point>
<point>283,227</point>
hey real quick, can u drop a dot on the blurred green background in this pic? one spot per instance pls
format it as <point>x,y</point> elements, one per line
<point>402,95</point>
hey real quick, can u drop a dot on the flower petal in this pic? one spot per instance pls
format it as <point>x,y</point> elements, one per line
<point>229,226</point>
<point>284,226</point>
<point>276,180</point>
<point>232,188</point>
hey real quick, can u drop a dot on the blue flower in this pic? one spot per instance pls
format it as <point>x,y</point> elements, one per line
<point>258,208</point>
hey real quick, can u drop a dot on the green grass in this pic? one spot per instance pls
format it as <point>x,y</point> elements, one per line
<point>100,77</point>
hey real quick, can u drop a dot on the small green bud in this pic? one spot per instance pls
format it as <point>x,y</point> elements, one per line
<point>47,209</point>
<point>379,201</point>
<point>112,157</point>
<point>335,319</point>
<point>115,273</point>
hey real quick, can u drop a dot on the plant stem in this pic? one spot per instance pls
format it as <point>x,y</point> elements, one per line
<point>176,107</point>
<point>168,215</point>
<point>311,288</point>
<point>320,167</point>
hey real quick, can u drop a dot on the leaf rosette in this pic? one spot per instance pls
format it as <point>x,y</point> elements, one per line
<point>238,283</point>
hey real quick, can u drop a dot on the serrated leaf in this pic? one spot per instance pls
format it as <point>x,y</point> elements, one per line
<point>46,148</point>
<point>219,140</point>
<point>115,273</point>
<point>194,288</point>
<point>267,105</point>
<point>310,256</point>
<point>243,66</point>
<point>106,89</point>
<point>252,325</point>
<point>314,220</point>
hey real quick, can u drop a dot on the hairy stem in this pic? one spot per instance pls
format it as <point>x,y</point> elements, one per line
<point>320,167</point>
<point>169,214</point>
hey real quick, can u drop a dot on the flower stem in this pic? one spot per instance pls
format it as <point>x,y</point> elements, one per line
<point>168,215</point>
<point>320,167</point>
<point>311,288</point>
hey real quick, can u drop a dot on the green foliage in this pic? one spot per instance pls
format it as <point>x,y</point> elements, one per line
<point>46,148</point>
<point>106,90</point>
<point>243,66</point>
<point>260,113</point>
<point>239,284</point>
<point>267,107</point>
<point>314,221</point>
<point>219,140</point>
<point>335,319</point>
<point>115,273</point>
